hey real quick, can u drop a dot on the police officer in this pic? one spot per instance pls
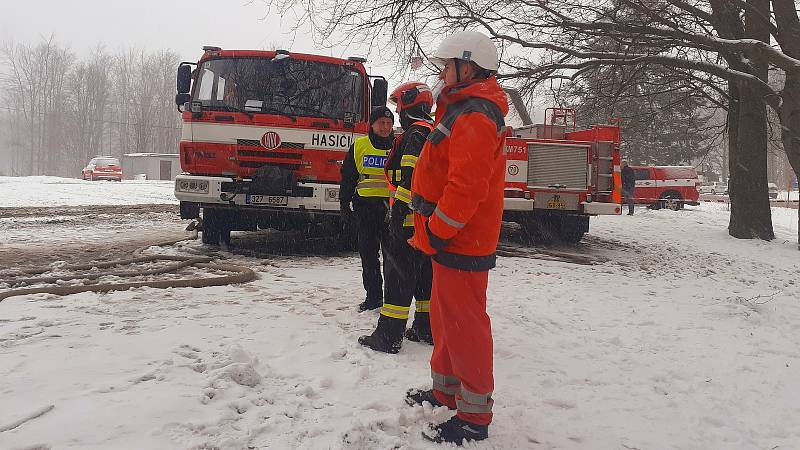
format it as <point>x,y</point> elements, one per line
<point>364,186</point>
<point>407,270</point>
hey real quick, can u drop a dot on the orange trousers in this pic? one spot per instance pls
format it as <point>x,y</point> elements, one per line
<point>461,363</point>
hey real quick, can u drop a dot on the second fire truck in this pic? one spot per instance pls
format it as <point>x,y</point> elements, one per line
<point>557,176</point>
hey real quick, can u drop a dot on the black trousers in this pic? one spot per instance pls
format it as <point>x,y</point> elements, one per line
<point>373,234</point>
<point>408,272</point>
<point>627,194</point>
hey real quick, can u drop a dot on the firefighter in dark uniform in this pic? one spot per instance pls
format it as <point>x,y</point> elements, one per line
<point>364,185</point>
<point>408,271</point>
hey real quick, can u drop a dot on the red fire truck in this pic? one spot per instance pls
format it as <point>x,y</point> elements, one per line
<point>557,176</point>
<point>264,134</point>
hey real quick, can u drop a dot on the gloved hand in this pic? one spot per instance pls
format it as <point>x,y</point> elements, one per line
<point>435,241</point>
<point>348,217</point>
<point>397,217</point>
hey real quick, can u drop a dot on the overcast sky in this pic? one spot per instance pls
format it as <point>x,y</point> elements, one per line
<point>180,25</point>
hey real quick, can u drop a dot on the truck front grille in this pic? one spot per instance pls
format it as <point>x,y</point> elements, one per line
<point>257,143</point>
<point>270,154</point>
<point>558,164</point>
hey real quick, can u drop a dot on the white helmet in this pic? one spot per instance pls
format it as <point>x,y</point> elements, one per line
<point>469,46</point>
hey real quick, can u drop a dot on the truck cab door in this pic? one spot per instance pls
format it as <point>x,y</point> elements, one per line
<point>645,185</point>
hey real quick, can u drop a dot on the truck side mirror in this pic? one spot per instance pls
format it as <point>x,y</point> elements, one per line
<point>184,79</point>
<point>380,90</point>
<point>181,99</point>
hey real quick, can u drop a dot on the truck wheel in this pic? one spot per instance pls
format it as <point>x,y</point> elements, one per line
<point>216,230</point>
<point>346,238</point>
<point>539,229</point>
<point>208,236</point>
<point>671,200</point>
<point>572,229</point>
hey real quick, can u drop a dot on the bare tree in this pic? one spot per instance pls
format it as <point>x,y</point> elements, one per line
<point>60,111</point>
<point>34,88</point>
<point>89,96</point>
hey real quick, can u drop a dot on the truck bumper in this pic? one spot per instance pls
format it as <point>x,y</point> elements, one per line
<point>517,204</point>
<point>598,208</point>
<point>589,208</point>
<point>208,191</point>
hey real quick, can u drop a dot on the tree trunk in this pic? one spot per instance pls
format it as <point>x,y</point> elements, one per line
<point>751,216</point>
<point>790,121</point>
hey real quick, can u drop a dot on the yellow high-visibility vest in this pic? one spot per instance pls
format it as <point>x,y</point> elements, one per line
<point>369,162</point>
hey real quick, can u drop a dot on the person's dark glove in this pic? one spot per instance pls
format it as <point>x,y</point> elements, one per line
<point>435,241</point>
<point>348,217</point>
<point>397,218</point>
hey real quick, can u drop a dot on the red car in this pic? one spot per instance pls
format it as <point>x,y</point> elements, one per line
<point>666,186</point>
<point>103,168</point>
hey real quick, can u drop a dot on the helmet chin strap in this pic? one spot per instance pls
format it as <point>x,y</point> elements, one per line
<point>458,70</point>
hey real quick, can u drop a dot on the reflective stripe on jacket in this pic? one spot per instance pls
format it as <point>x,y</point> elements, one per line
<point>369,163</point>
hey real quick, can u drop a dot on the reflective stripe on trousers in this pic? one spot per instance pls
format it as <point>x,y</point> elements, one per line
<point>446,384</point>
<point>466,400</point>
<point>394,311</point>
<point>470,402</point>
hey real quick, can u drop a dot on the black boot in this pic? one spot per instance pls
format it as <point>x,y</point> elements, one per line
<point>456,431</point>
<point>416,397</point>
<point>420,331</point>
<point>387,337</point>
<point>370,304</point>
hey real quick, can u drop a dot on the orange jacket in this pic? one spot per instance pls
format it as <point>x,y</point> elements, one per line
<point>458,183</point>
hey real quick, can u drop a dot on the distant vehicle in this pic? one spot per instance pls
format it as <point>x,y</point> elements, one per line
<point>103,168</point>
<point>772,190</point>
<point>666,186</point>
<point>714,188</point>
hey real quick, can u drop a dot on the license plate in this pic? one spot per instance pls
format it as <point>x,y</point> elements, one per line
<point>273,200</point>
<point>547,200</point>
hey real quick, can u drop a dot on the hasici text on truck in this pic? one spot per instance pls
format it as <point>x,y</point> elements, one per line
<point>264,134</point>
<point>558,176</point>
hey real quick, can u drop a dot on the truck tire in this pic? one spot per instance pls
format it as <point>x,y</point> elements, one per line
<point>216,229</point>
<point>346,236</point>
<point>671,200</point>
<point>539,229</point>
<point>572,229</point>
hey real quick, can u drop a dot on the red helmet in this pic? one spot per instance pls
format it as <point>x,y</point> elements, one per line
<point>411,93</point>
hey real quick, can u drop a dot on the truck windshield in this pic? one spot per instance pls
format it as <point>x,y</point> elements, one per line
<point>287,86</point>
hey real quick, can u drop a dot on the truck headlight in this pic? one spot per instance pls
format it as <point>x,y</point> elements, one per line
<point>192,186</point>
<point>331,194</point>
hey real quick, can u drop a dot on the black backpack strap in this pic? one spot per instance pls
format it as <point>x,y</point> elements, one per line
<point>479,105</point>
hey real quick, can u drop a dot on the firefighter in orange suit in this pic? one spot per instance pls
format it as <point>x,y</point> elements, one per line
<point>407,271</point>
<point>457,198</point>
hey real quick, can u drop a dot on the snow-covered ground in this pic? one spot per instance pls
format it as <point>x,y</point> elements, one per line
<point>56,191</point>
<point>683,338</point>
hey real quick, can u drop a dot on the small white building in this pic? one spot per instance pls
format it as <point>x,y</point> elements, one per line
<point>154,166</point>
